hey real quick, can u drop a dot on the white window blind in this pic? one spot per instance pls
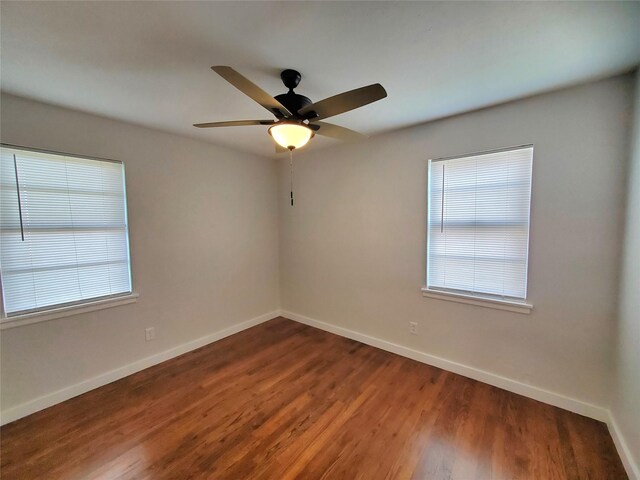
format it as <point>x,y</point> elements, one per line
<point>478,223</point>
<point>63,228</point>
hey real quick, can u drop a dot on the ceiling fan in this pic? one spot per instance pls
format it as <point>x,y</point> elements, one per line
<point>297,117</point>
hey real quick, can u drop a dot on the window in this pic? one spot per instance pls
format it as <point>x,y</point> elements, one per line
<point>63,228</point>
<point>478,224</point>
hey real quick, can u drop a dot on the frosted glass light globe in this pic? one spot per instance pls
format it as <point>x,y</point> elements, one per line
<point>291,135</point>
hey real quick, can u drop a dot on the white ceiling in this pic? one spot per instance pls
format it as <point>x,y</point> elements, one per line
<point>148,62</point>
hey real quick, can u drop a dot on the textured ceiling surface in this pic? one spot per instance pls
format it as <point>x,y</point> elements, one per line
<point>148,62</point>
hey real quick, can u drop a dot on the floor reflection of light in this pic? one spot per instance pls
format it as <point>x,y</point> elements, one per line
<point>128,465</point>
<point>460,456</point>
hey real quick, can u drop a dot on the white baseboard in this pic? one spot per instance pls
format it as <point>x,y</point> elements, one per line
<point>624,451</point>
<point>530,391</point>
<point>40,403</point>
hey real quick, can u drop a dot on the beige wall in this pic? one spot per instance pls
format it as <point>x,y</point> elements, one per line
<point>204,248</point>
<point>626,403</point>
<point>352,249</point>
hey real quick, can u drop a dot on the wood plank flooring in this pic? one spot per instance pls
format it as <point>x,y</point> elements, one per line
<point>283,400</point>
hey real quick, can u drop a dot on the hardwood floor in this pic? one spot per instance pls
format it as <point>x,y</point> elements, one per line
<point>283,400</point>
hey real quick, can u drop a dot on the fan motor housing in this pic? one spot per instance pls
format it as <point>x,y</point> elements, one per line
<point>293,101</point>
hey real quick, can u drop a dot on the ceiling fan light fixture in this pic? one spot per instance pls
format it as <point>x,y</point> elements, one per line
<point>291,135</point>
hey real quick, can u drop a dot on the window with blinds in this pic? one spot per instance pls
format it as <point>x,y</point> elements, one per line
<point>63,230</point>
<point>478,224</point>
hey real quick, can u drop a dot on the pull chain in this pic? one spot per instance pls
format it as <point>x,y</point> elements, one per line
<point>291,174</point>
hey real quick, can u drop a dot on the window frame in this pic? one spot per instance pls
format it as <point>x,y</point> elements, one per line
<point>473,298</point>
<point>49,312</point>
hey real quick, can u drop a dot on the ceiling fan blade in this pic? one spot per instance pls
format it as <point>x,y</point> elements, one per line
<point>343,102</point>
<point>234,123</point>
<point>253,91</point>
<point>337,132</point>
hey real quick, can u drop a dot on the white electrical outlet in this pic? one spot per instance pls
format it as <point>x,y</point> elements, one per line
<point>413,328</point>
<point>149,333</point>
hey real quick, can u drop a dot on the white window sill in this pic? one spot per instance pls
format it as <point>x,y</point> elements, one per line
<point>68,311</point>
<point>511,306</point>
